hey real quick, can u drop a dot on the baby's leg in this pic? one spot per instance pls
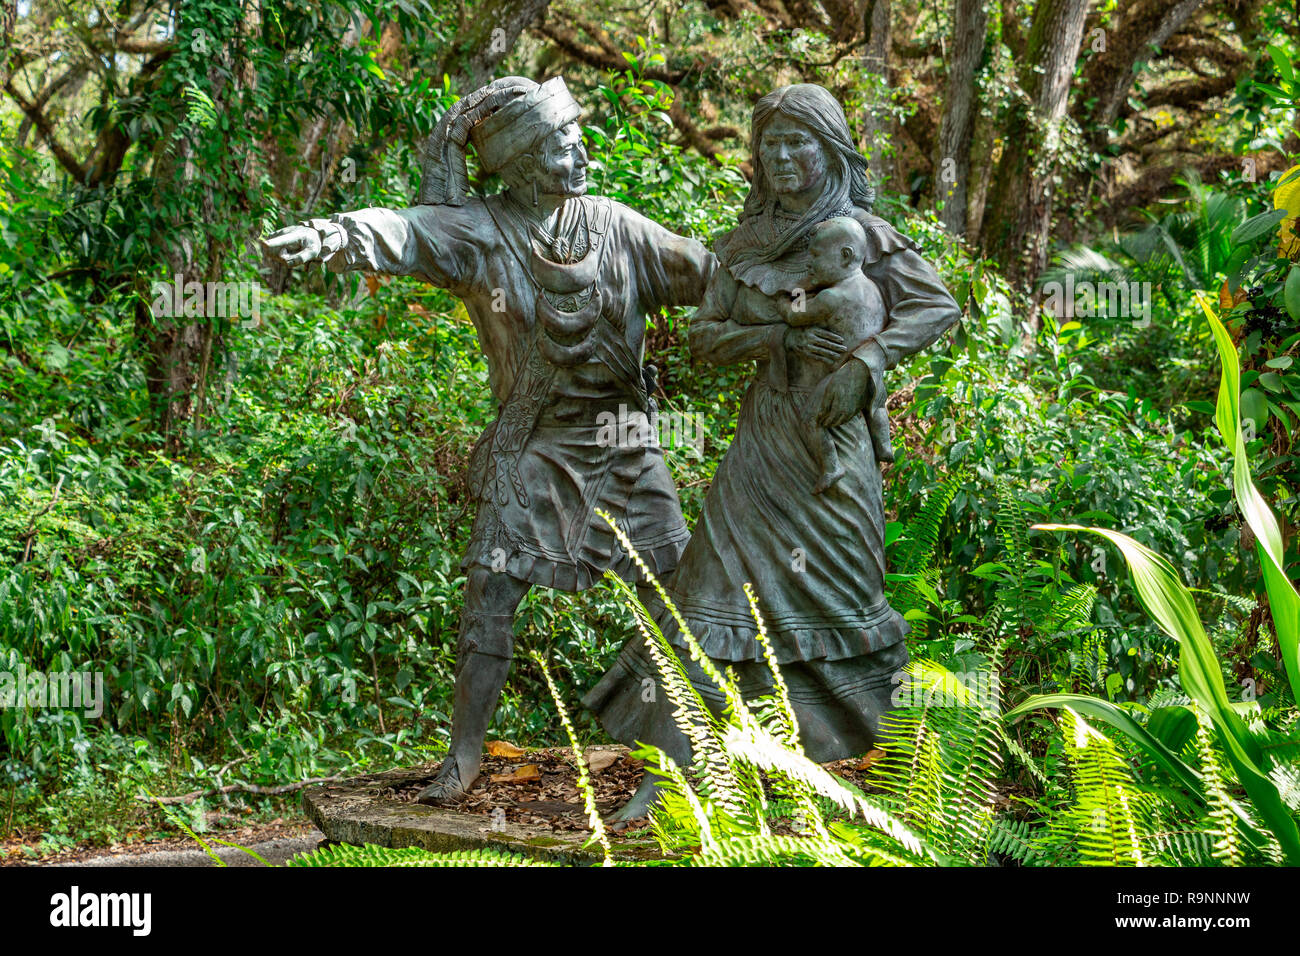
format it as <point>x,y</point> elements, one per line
<point>832,470</point>
<point>878,422</point>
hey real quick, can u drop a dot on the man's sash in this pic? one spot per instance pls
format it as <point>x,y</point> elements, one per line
<point>494,463</point>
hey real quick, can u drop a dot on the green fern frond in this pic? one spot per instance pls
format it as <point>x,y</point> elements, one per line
<point>942,757</point>
<point>1287,778</point>
<point>1242,605</point>
<point>677,784</point>
<point>1181,847</point>
<point>1222,820</point>
<point>787,723</point>
<point>923,530</point>
<point>758,747</point>
<point>584,778</point>
<point>1104,819</point>
<point>1012,526</point>
<point>780,850</point>
<point>1023,757</point>
<point>1019,840</point>
<point>1167,697</point>
<point>1071,609</point>
<point>371,855</point>
<point>690,713</point>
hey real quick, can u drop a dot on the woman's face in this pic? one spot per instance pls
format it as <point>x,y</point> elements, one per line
<point>792,157</point>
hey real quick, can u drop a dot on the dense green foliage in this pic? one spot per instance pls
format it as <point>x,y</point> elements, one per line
<point>263,562</point>
<point>932,799</point>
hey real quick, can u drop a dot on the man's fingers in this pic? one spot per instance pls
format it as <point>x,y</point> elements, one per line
<point>297,258</point>
<point>283,237</point>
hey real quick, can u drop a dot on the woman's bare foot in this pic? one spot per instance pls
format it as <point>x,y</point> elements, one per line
<point>637,808</point>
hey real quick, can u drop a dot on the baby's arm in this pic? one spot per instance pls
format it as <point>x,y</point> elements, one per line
<point>818,309</point>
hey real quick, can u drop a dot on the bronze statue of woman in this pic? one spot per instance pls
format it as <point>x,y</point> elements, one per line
<point>816,561</point>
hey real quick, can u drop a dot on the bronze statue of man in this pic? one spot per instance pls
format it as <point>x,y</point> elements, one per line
<point>559,285</point>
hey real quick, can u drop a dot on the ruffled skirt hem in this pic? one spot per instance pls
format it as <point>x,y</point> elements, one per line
<point>838,704</point>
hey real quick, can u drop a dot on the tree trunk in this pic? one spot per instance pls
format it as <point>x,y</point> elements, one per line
<point>984,138</point>
<point>1020,208</point>
<point>875,59</point>
<point>8,19</point>
<point>485,40</point>
<point>178,347</point>
<point>959,106</point>
<point>1139,26</point>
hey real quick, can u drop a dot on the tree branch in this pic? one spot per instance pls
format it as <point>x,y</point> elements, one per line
<point>1188,50</point>
<point>45,129</point>
<point>1185,94</point>
<point>568,43</point>
<point>1149,186</point>
<point>702,141</point>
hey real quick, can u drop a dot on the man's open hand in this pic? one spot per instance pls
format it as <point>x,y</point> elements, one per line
<point>294,244</point>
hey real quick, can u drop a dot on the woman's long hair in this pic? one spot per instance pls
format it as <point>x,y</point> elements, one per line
<point>846,169</point>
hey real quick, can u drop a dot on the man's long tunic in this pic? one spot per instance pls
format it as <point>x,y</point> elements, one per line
<point>541,470</point>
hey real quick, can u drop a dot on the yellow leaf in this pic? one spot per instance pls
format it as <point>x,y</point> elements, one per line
<point>502,748</point>
<point>871,757</point>
<point>1225,296</point>
<point>522,774</point>
<point>1287,196</point>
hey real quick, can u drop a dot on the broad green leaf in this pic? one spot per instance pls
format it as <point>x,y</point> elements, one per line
<point>1283,600</point>
<point>1255,407</point>
<point>1283,63</point>
<point>1173,726</point>
<point>1256,226</point>
<point>1169,602</point>
<point>1291,293</point>
<point>1124,722</point>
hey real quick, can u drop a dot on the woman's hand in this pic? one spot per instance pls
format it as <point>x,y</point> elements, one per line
<point>815,342</point>
<point>845,395</point>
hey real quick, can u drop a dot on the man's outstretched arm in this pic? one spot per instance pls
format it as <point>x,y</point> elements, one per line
<point>435,243</point>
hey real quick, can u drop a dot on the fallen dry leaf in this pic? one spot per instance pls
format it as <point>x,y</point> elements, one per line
<point>502,748</point>
<point>598,760</point>
<point>522,774</point>
<point>871,757</point>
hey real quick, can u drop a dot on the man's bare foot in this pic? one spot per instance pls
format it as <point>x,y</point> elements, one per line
<point>637,808</point>
<point>446,787</point>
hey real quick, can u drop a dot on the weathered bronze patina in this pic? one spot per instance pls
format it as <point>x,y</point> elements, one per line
<point>559,284</point>
<point>816,560</point>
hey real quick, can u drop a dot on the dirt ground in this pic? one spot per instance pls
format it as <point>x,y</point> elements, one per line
<point>537,788</point>
<point>276,841</point>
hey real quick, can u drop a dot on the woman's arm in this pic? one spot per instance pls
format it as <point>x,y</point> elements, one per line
<point>920,309</point>
<point>717,338</point>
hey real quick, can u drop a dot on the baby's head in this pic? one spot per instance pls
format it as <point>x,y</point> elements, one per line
<point>838,247</point>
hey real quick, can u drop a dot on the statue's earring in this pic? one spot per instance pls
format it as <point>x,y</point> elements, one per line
<point>534,192</point>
